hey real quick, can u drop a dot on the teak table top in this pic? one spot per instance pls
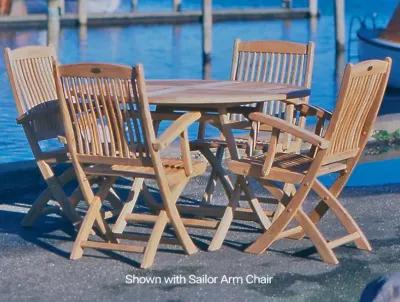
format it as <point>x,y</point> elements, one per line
<point>224,93</point>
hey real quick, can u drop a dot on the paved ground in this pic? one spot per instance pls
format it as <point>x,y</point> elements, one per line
<point>34,264</point>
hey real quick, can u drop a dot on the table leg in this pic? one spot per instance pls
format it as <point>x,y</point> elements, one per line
<point>241,180</point>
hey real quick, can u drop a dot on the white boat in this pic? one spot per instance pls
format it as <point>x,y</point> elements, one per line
<point>378,43</point>
<point>102,6</point>
<point>371,46</point>
<point>94,6</point>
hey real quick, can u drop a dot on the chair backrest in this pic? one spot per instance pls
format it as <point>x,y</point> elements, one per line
<point>273,62</point>
<point>106,115</point>
<point>361,94</point>
<point>281,62</point>
<point>5,7</point>
<point>30,70</point>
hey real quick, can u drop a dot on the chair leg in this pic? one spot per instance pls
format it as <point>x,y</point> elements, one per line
<point>219,171</point>
<point>39,204</point>
<point>212,180</point>
<point>76,197</point>
<point>289,190</point>
<point>154,240</point>
<point>308,227</point>
<point>114,199</point>
<point>210,188</point>
<point>85,229</point>
<point>103,227</point>
<point>316,237</point>
<point>151,202</point>
<point>226,220</point>
<point>180,229</point>
<point>255,205</point>
<point>264,241</point>
<point>278,211</point>
<point>322,208</point>
<point>93,217</point>
<point>57,191</point>
<point>36,208</point>
<point>105,230</point>
<point>343,215</point>
<point>270,236</point>
<point>128,207</point>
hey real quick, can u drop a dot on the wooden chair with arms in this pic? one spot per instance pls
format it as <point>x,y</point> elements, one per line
<point>260,61</point>
<point>30,71</point>
<point>109,132</point>
<point>30,74</point>
<point>336,147</point>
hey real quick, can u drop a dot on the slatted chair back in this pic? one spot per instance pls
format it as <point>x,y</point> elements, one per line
<point>279,62</point>
<point>338,148</point>
<point>30,70</point>
<point>104,110</point>
<point>359,100</point>
<point>110,133</point>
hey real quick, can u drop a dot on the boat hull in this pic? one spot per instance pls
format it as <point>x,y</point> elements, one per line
<point>94,6</point>
<point>370,46</point>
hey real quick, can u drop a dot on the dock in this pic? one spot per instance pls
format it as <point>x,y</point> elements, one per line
<point>167,17</point>
<point>206,16</point>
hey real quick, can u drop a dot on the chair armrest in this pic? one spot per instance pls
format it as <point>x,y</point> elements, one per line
<point>310,110</point>
<point>62,139</point>
<point>22,118</point>
<point>176,128</point>
<point>38,112</point>
<point>287,127</point>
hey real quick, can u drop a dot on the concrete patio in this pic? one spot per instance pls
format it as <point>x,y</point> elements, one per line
<point>35,265</point>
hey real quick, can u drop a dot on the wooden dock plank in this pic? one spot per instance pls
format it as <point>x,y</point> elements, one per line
<point>40,20</point>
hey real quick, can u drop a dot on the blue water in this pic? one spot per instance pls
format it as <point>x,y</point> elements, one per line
<point>169,51</point>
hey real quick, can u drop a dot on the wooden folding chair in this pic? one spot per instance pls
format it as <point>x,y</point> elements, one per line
<point>30,71</point>
<point>336,147</point>
<point>259,61</point>
<point>109,133</point>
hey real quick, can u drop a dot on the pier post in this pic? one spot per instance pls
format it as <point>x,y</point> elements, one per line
<point>313,7</point>
<point>287,4</point>
<point>207,37</point>
<point>340,32</point>
<point>340,64</point>
<point>62,7</point>
<point>134,5</point>
<point>177,5</point>
<point>82,12</point>
<point>53,22</point>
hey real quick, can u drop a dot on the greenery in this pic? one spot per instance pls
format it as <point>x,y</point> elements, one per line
<point>385,141</point>
<point>384,136</point>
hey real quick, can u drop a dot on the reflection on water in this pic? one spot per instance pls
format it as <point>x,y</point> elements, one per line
<point>391,103</point>
<point>340,64</point>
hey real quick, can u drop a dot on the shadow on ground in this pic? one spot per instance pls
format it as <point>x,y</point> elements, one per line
<point>35,265</point>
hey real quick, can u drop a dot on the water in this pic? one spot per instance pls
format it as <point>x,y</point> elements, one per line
<point>169,51</point>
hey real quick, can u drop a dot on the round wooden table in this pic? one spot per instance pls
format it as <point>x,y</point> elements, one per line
<point>219,97</point>
<point>219,94</point>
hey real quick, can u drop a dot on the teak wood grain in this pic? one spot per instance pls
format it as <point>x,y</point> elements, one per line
<point>274,63</point>
<point>219,94</point>
<point>110,133</point>
<point>30,73</point>
<point>336,147</point>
